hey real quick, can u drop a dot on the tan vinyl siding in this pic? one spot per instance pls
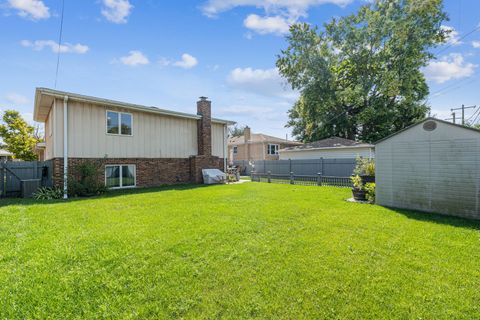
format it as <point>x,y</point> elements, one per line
<point>437,171</point>
<point>49,135</point>
<point>154,136</point>
<point>218,139</point>
<point>340,153</point>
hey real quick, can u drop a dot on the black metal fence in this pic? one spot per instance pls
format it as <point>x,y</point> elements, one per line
<point>12,173</point>
<point>310,167</point>
<point>307,180</point>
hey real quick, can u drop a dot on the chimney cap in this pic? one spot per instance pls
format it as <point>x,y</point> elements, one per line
<point>202,98</point>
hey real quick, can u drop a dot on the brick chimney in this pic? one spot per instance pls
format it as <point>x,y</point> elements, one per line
<point>247,133</point>
<point>204,136</point>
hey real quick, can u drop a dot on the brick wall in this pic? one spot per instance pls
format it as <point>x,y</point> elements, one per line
<point>149,172</point>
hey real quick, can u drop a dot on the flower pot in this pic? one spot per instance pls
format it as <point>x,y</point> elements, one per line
<point>367,179</point>
<point>359,195</point>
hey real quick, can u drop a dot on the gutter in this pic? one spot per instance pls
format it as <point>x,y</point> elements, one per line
<point>65,147</point>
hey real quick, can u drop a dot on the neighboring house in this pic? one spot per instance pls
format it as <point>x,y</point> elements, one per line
<point>330,148</point>
<point>136,146</point>
<point>432,166</point>
<point>5,155</point>
<point>256,146</point>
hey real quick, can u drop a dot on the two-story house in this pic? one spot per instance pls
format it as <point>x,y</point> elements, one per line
<point>256,146</point>
<point>136,146</point>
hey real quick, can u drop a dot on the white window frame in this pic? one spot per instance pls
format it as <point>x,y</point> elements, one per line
<point>121,178</point>
<point>235,149</point>
<point>277,147</point>
<point>119,113</point>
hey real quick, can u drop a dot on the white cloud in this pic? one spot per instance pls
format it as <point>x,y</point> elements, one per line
<point>449,67</point>
<point>476,44</point>
<point>116,11</point>
<point>187,61</point>
<point>453,37</point>
<point>32,9</point>
<point>134,58</point>
<point>66,47</point>
<point>264,25</point>
<point>17,99</point>
<point>265,82</point>
<point>292,8</point>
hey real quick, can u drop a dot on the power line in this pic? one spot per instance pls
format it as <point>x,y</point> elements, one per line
<point>460,39</point>
<point>59,43</point>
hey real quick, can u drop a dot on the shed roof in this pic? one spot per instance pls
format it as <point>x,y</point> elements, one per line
<point>330,143</point>
<point>424,120</point>
<point>44,99</point>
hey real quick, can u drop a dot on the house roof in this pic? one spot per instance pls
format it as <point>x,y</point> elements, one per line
<point>260,137</point>
<point>424,120</point>
<point>5,153</point>
<point>44,98</point>
<point>329,143</point>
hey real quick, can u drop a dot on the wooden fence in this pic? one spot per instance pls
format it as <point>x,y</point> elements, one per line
<point>12,173</point>
<point>307,180</point>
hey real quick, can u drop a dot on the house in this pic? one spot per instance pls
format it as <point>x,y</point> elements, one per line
<point>431,166</point>
<point>135,145</point>
<point>5,155</point>
<point>256,146</point>
<point>330,148</point>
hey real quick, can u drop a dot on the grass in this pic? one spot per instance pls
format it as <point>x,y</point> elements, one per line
<point>251,250</point>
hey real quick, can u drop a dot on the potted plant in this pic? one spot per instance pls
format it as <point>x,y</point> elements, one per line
<point>363,174</point>
<point>358,189</point>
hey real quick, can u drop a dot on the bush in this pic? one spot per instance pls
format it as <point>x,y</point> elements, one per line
<point>357,182</point>
<point>45,193</point>
<point>370,189</point>
<point>84,181</point>
<point>364,167</point>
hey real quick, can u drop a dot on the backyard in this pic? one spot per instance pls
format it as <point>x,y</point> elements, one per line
<point>235,251</point>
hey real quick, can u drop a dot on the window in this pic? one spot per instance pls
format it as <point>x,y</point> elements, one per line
<point>119,123</point>
<point>235,150</point>
<point>120,176</point>
<point>273,149</point>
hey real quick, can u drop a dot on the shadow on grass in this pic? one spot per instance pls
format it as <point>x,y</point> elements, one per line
<point>110,194</point>
<point>439,218</point>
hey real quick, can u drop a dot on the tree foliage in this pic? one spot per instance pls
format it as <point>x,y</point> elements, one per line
<point>360,77</point>
<point>236,131</point>
<point>18,136</point>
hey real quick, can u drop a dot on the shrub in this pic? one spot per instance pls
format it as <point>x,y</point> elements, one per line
<point>364,167</point>
<point>370,189</point>
<point>84,181</point>
<point>357,182</point>
<point>45,193</point>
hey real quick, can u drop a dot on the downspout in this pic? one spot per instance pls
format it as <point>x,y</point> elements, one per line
<point>65,147</point>
<point>225,148</point>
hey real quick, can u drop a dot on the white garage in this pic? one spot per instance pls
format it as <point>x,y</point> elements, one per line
<point>432,166</point>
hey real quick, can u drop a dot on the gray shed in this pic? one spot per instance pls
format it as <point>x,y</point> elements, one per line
<point>431,166</point>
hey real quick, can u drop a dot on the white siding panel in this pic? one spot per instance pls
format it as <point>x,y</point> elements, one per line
<point>343,153</point>
<point>218,141</point>
<point>154,136</point>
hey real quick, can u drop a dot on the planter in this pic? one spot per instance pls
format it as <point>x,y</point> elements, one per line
<point>367,179</point>
<point>359,195</point>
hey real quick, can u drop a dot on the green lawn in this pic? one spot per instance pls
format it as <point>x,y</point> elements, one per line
<point>234,251</point>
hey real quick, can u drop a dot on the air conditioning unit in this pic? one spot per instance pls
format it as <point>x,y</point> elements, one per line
<point>29,187</point>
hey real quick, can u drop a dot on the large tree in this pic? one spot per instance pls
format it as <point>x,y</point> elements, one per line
<point>360,77</point>
<point>18,136</point>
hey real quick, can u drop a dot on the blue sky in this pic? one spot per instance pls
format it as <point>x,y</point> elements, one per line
<point>168,53</point>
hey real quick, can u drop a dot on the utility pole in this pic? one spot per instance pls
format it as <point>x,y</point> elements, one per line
<point>453,118</point>
<point>463,112</point>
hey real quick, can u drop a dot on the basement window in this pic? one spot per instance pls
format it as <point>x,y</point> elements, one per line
<point>119,123</point>
<point>120,176</point>
<point>273,149</point>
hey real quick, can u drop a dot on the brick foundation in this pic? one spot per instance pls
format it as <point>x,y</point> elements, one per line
<point>149,172</point>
